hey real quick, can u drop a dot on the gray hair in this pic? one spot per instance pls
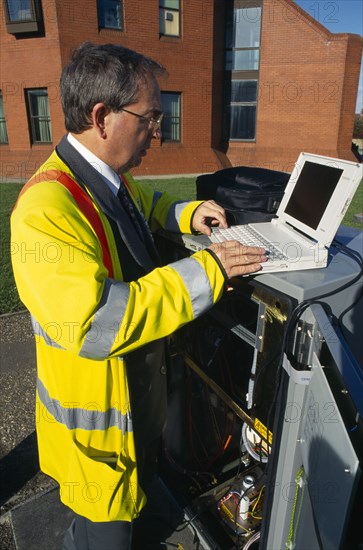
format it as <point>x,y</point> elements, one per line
<point>107,73</point>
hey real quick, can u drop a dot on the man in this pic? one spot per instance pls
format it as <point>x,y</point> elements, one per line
<point>100,302</point>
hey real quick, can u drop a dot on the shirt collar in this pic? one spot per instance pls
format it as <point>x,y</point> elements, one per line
<point>108,175</point>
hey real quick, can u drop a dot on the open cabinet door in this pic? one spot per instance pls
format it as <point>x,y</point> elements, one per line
<point>317,496</point>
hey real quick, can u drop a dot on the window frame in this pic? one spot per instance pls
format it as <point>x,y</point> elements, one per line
<point>99,18</point>
<point>229,118</point>
<point>31,117</point>
<point>244,74</point>
<point>163,10</point>
<point>243,103</point>
<point>21,26</point>
<point>174,120</point>
<point>3,122</point>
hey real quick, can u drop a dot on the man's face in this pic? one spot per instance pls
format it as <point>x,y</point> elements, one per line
<point>128,136</point>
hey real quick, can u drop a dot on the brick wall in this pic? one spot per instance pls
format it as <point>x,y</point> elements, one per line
<point>28,63</point>
<point>306,87</point>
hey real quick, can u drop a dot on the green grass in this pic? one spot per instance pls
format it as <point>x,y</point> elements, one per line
<point>356,207</point>
<point>184,188</point>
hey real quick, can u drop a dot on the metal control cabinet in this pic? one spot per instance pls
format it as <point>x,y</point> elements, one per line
<point>318,465</point>
<point>253,397</point>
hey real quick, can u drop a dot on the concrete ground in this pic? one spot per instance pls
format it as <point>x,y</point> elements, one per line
<point>31,515</point>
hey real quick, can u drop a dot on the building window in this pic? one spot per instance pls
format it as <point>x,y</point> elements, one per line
<point>110,14</point>
<point>242,60</point>
<point>3,130</point>
<point>170,127</point>
<point>23,16</point>
<point>39,116</point>
<point>243,36</point>
<point>242,109</point>
<point>242,122</point>
<point>242,57</point>
<point>169,17</point>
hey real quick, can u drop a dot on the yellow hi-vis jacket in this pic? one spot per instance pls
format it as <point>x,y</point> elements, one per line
<point>86,323</point>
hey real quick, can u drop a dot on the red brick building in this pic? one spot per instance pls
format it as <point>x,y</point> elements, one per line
<point>250,82</point>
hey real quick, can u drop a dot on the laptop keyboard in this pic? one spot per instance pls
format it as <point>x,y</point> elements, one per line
<point>248,236</point>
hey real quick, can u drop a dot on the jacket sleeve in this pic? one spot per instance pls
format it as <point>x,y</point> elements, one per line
<point>163,210</point>
<point>61,279</point>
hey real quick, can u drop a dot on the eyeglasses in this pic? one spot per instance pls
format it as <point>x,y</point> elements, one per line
<point>152,122</point>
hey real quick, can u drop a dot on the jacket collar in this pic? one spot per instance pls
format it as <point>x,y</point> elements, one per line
<point>142,251</point>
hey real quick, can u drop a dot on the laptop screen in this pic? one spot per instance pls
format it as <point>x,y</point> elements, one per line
<point>312,193</point>
<point>318,194</point>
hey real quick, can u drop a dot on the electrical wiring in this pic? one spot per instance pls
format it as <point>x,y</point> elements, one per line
<point>350,251</point>
<point>226,437</point>
<point>302,306</point>
<point>257,501</point>
<point>357,257</point>
<point>349,308</point>
<point>223,435</point>
<point>227,514</point>
<point>189,523</point>
<point>216,362</point>
<point>207,460</point>
<point>193,427</point>
<point>200,480</point>
<point>211,345</point>
<point>226,370</point>
<point>252,540</point>
<point>256,535</point>
<point>229,504</point>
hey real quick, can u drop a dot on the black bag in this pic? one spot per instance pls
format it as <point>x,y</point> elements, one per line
<point>247,194</point>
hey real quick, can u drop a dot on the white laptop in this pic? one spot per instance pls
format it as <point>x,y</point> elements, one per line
<point>316,198</point>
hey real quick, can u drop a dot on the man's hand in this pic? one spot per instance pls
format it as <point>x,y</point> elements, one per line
<point>209,213</point>
<point>238,259</point>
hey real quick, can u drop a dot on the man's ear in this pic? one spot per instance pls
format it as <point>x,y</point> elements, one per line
<point>98,115</point>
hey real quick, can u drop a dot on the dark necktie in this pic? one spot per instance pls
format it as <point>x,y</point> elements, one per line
<point>137,220</point>
<point>130,208</point>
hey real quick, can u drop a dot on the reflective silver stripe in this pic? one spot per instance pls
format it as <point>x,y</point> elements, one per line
<point>82,418</point>
<point>107,321</point>
<point>174,214</point>
<point>39,331</point>
<point>197,283</point>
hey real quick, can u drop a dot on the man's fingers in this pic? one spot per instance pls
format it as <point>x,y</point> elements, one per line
<point>209,213</point>
<point>212,205</point>
<point>238,259</point>
<point>237,271</point>
<point>237,250</point>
